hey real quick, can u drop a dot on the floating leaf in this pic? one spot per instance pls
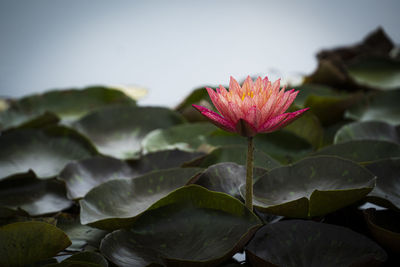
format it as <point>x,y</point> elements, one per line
<point>192,226</point>
<point>117,203</point>
<point>185,137</point>
<point>226,178</point>
<point>83,259</point>
<point>310,244</point>
<point>118,131</point>
<point>162,160</point>
<point>384,226</point>
<point>35,196</point>
<point>311,187</point>
<point>236,154</point>
<point>81,176</point>
<point>46,151</point>
<point>382,106</point>
<point>25,243</point>
<point>371,130</point>
<point>69,105</point>
<point>362,150</point>
<point>380,73</point>
<point>387,190</point>
<point>81,236</point>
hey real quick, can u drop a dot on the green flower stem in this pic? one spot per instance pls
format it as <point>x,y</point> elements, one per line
<point>249,174</point>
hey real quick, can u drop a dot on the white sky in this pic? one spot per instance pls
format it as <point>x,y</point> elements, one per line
<point>171,47</point>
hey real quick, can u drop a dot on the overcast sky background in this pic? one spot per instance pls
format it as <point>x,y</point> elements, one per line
<point>171,47</point>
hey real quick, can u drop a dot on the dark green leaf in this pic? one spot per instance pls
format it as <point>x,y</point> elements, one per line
<point>81,176</point>
<point>118,131</point>
<point>300,243</point>
<point>69,105</point>
<point>380,73</point>
<point>117,203</point>
<point>35,196</point>
<point>381,106</point>
<point>46,151</point>
<point>226,178</point>
<point>386,192</point>
<point>24,243</point>
<point>236,154</point>
<point>81,236</point>
<point>385,228</point>
<point>362,150</point>
<point>192,226</point>
<point>312,187</point>
<point>370,130</point>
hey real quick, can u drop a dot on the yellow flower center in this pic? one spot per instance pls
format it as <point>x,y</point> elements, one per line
<point>251,94</point>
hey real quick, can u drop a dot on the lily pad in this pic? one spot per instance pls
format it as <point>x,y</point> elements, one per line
<point>45,152</point>
<point>192,226</point>
<point>380,106</point>
<point>117,203</point>
<point>163,160</point>
<point>384,227</point>
<point>35,196</point>
<point>83,237</point>
<point>81,176</point>
<point>118,131</point>
<point>69,105</point>
<point>387,190</point>
<point>362,150</point>
<point>370,130</point>
<point>310,244</point>
<point>311,187</point>
<point>226,178</point>
<point>236,154</point>
<point>86,258</point>
<point>186,137</point>
<point>25,243</point>
<point>282,145</point>
<point>380,73</point>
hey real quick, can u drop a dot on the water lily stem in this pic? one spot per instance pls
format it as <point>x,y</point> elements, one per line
<point>249,175</point>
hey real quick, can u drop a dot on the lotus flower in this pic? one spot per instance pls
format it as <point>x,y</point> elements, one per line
<point>254,107</point>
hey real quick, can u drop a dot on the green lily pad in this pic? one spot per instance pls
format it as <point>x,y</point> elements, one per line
<point>387,190</point>
<point>306,90</point>
<point>41,121</point>
<point>300,243</point>
<point>81,236</point>
<point>25,243</point>
<point>117,203</point>
<point>118,131</point>
<point>309,128</point>
<point>384,227</point>
<point>45,151</point>
<point>81,176</point>
<point>69,105</point>
<point>35,196</point>
<point>381,106</point>
<point>163,160</point>
<point>236,154</point>
<point>282,145</point>
<point>80,259</point>
<point>380,73</point>
<point>186,137</point>
<point>198,96</point>
<point>362,150</point>
<point>311,187</point>
<point>225,177</point>
<point>369,130</point>
<point>192,226</point>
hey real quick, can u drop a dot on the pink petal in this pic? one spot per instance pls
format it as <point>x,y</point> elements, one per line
<point>247,85</point>
<point>234,86</point>
<point>281,121</point>
<point>253,116</point>
<point>216,119</point>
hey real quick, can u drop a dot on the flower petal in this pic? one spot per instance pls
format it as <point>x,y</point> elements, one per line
<point>216,119</point>
<point>234,86</point>
<point>281,121</point>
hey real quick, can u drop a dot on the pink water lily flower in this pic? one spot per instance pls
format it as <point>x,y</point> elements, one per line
<point>254,107</point>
